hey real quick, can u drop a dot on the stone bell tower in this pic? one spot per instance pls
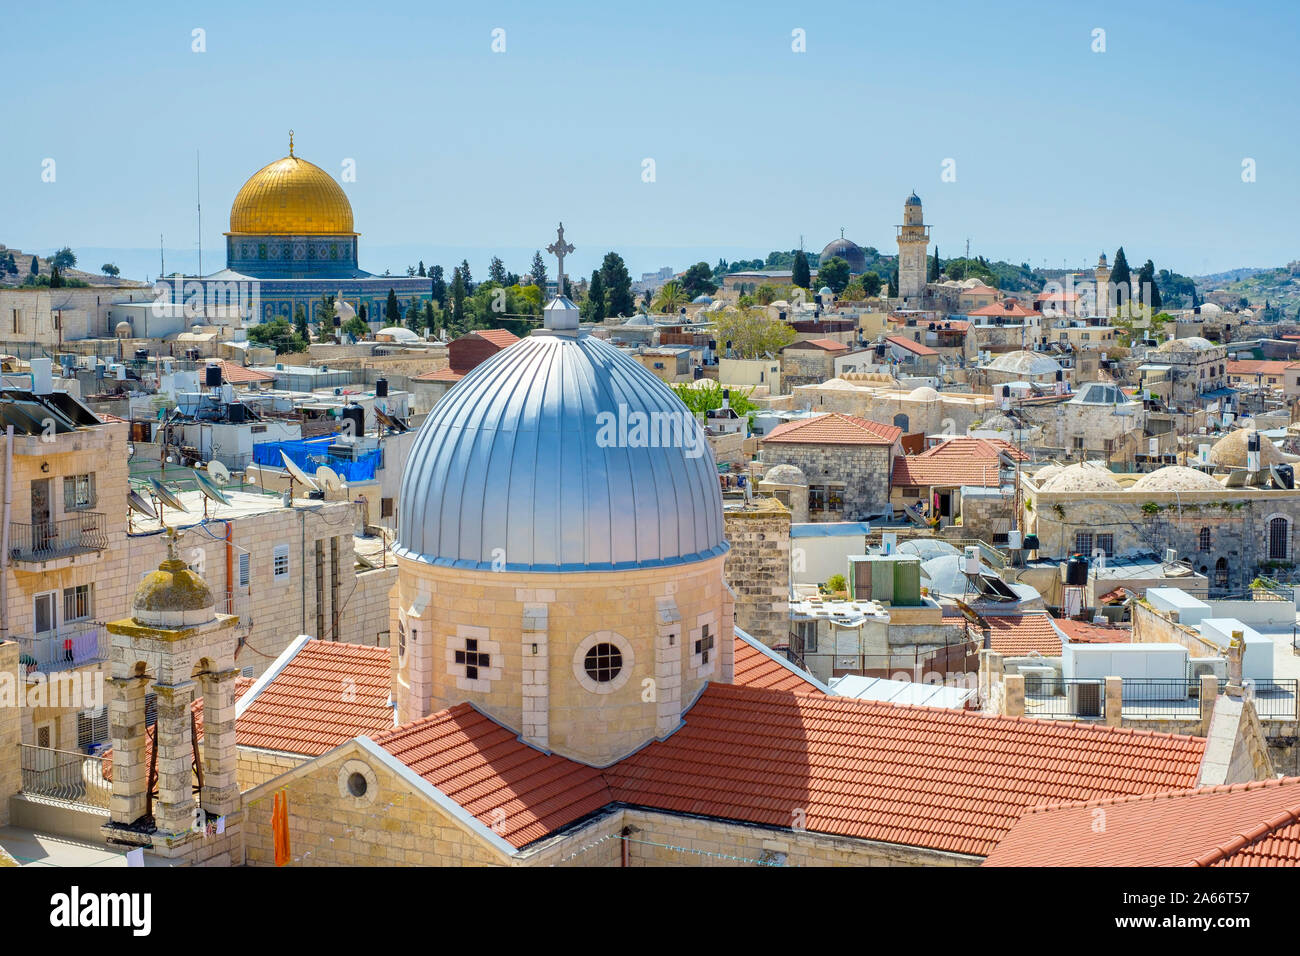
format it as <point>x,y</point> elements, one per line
<point>1102,273</point>
<point>174,643</point>
<point>913,243</point>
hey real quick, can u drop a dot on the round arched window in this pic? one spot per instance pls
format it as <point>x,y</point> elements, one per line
<point>603,662</point>
<point>357,784</point>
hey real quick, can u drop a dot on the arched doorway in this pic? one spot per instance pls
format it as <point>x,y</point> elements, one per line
<point>1221,573</point>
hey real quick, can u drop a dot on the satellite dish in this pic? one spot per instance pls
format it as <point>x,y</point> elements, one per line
<point>218,472</point>
<point>328,478</point>
<point>296,473</point>
<point>209,490</point>
<point>165,496</point>
<point>139,505</point>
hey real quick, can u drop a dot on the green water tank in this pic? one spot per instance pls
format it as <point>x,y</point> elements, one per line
<point>907,582</point>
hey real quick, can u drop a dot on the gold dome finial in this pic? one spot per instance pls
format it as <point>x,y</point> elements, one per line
<point>290,142</point>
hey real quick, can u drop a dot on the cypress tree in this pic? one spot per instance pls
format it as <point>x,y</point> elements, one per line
<point>800,274</point>
<point>1120,277</point>
<point>392,311</point>
<point>593,309</point>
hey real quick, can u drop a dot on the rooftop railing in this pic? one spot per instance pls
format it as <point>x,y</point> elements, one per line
<point>65,775</point>
<point>72,647</point>
<point>80,534</point>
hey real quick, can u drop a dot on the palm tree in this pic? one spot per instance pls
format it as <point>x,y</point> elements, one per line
<point>670,298</point>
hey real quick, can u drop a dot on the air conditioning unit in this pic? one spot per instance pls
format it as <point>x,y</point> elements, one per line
<point>1198,667</point>
<point>1085,698</point>
<point>1171,555</point>
<point>1040,681</point>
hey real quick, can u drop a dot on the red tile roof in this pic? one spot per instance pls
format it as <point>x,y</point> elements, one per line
<point>916,348</point>
<point>327,693</point>
<point>1056,296</point>
<point>754,668</point>
<point>1250,824</point>
<point>233,374</point>
<point>956,461</point>
<point>498,337</point>
<point>1006,308</point>
<point>1258,366</point>
<point>826,345</point>
<point>509,785</point>
<point>834,429</point>
<point>920,776</point>
<point>1085,632</point>
<point>1016,635</point>
<point>441,375</point>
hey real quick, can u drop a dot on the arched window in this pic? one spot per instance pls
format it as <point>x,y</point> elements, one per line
<point>901,421</point>
<point>1221,573</point>
<point>1205,539</point>
<point>1279,539</point>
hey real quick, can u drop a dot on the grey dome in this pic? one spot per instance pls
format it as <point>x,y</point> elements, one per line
<point>849,251</point>
<point>507,467</point>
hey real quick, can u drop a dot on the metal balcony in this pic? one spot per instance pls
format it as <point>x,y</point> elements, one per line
<point>83,533</point>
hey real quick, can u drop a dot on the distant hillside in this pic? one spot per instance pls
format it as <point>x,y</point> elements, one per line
<point>1278,287</point>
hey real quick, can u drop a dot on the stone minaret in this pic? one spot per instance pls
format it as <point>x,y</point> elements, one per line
<point>1102,274</point>
<point>913,246</point>
<point>174,643</point>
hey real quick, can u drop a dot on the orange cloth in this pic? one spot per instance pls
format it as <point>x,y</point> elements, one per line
<point>280,828</point>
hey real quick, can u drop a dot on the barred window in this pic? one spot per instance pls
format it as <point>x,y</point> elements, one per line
<point>77,602</point>
<point>92,727</point>
<point>280,566</point>
<point>603,663</point>
<point>78,492</point>
<point>1107,544</point>
<point>1083,542</point>
<point>1205,539</point>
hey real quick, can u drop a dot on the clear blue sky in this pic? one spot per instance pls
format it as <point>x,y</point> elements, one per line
<point>1060,152</point>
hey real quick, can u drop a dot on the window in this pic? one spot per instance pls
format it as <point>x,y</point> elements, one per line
<point>1083,542</point>
<point>77,602</point>
<point>92,727</point>
<point>1205,539</point>
<point>401,640</point>
<point>825,498</point>
<point>1221,573</point>
<point>471,659</point>
<point>1107,544</point>
<point>603,663</point>
<point>1279,535</point>
<point>385,507</point>
<point>78,492</point>
<point>280,565</point>
<point>807,632</point>
<point>245,560</point>
<point>704,645</point>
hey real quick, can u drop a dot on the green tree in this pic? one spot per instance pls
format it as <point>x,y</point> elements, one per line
<point>537,272</point>
<point>279,335</point>
<point>801,275</point>
<point>420,271</point>
<point>357,327</point>
<point>392,311</point>
<point>670,297</point>
<point>705,395</point>
<point>56,280</point>
<point>871,284</point>
<point>751,333</point>
<point>437,285</point>
<point>36,266</point>
<point>109,269</point>
<point>593,307</point>
<point>933,275</point>
<point>893,281</point>
<point>300,323</point>
<point>430,318</point>
<point>361,314</point>
<point>65,259</point>
<point>326,312</point>
<point>457,302</point>
<point>1146,283</point>
<point>618,285</point>
<point>1120,277</point>
<point>766,294</point>
<point>698,280</point>
<point>834,272</point>
<point>497,272</point>
<point>414,316</point>
<point>465,277</point>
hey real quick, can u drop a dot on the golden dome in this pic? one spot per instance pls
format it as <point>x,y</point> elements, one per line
<point>291,197</point>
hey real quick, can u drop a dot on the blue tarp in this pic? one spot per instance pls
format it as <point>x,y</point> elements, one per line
<point>310,453</point>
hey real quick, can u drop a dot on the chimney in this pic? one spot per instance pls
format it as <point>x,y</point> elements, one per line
<point>1235,649</point>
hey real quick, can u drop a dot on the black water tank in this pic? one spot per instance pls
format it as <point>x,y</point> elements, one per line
<point>142,355</point>
<point>212,376</point>
<point>699,372</point>
<point>355,414</point>
<point>1076,571</point>
<point>1060,375</point>
<point>713,345</point>
<point>1031,542</point>
<point>381,388</point>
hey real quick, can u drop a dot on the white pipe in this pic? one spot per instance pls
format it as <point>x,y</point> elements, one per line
<point>4,534</point>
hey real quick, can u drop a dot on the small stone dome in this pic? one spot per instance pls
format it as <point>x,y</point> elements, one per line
<point>1230,450</point>
<point>123,330</point>
<point>1209,308</point>
<point>1176,478</point>
<point>785,475</point>
<point>1193,343</point>
<point>923,393</point>
<point>1084,476</point>
<point>1022,362</point>
<point>173,596</point>
<point>1047,473</point>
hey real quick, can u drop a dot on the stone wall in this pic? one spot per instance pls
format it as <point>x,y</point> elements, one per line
<point>758,569</point>
<point>256,766</point>
<point>864,471</point>
<point>11,685</point>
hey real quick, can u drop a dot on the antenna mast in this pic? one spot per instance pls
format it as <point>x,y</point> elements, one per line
<point>162,261</point>
<point>198,202</point>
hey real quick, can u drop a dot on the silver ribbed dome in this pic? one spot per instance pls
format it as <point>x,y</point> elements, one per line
<point>508,468</point>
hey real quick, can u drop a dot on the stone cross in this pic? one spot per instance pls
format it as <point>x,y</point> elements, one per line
<point>559,248</point>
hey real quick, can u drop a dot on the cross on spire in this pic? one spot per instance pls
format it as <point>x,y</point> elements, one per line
<point>559,248</point>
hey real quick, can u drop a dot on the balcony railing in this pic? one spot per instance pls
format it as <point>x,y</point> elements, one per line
<point>79,534</point>
<point>65,775</point>
<point>90,644</point>
<point>1075,699</point>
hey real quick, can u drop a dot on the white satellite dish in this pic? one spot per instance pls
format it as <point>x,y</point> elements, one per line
<point>296,473</point>
<point>218,472</point>
<point>328,478</point>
